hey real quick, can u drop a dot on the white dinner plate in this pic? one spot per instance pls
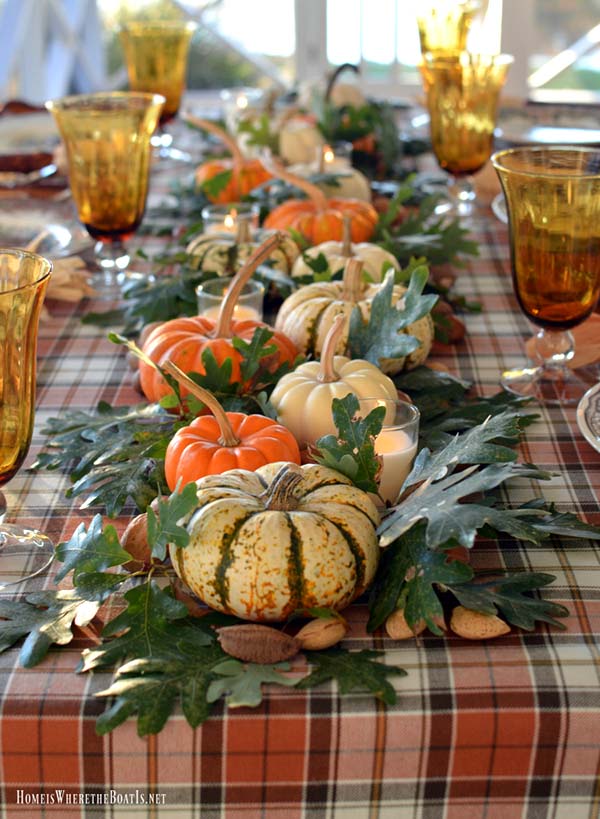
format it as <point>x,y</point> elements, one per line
<point>22,220</point>
<point>27,133</point>
<point>588,416</point>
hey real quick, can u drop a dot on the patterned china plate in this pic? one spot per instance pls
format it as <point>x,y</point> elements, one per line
<point>588,416</point>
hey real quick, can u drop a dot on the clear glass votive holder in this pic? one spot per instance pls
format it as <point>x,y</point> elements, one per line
<point>228,218</point>
<point>210,295</point>
<point>396,443</point>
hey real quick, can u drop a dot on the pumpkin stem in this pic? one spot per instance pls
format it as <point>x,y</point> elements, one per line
<point>222,135</point>
<point>315,194</point>
<point>242,234</point>
<point>347,237</point>
<point>352,280</point>
<point>328,372</point>
<point>335,76</point>
<point>228,437</point>
<point>280,497</point>
<point>244,274</point>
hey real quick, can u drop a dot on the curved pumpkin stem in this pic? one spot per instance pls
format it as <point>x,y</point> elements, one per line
<point>228,437</point>
<point>315,194</point>
<point>244,274</point>
<point>352,280</point>
<point>335,76</point>
<point>223,136</point>
<point>328,373</point>
<point>280,495</point>
<point>242,234</point>
<point>347,237</point>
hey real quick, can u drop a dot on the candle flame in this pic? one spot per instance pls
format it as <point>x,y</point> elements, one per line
<point>229,221</point>
<point>242,101</point>
<point>328,155</point>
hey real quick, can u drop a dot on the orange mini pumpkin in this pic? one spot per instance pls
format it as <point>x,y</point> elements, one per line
<point>318,218</point>
<point>212,444</point>
<point>246,174</point>
<point>184,340</point>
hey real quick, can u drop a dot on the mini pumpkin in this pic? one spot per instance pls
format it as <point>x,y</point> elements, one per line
<point>224,253</point>
<point>375,259</point>
<point>307,315</point>
<point>215,443</point>
<point>284,538</point>
<point>349,182</point>
<point>184,340</point>
<point>302,399</point>
<point>246,174</point>
<point>318,218</point>
<point>299,139</point>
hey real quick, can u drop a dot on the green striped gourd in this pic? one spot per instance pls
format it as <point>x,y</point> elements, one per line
<point>265,544</point>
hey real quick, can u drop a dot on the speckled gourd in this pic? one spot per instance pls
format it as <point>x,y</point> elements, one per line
<point>265,544</point>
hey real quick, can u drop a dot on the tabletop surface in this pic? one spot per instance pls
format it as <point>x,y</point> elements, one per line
<point>500,729</point>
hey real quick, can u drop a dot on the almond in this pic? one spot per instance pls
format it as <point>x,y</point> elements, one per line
<point>398,629</point>
<point>323,632</point>
<point>473,625</point>
<point>254,643</point>
<point>135,541</point>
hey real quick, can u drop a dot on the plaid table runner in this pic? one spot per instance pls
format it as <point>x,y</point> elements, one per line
<point>503,730</point>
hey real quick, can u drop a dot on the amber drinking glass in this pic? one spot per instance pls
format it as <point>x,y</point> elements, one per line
<point>156,56</point>
<point>107,139</point>
<point>23,280</point>
<point>462,92</point>
<point>444,25</point>
<point>553,203</point>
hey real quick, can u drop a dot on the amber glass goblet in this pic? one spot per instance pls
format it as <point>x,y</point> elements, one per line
<point>462,92</point>
<point>107,139</point>
<point>23,280</point>
<point>553,203</point>
<point>444,25</point>
<point>156,56</point>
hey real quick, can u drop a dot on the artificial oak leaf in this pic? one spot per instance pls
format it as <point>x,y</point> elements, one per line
<point>352,450</point>
<point>409,576</point>
<point>90,550</point>
<point>216,184</point>
<point>547,521</point>
<point>475,446</point>
<point>353,671</point>
<point>509,597</point>
<point>164,528</point>
<point>447,518</point>
<point>241,683</point>
<point>383,335</point>
<point>152,625</point>
<point>44,618</point>
<point>151,687</point>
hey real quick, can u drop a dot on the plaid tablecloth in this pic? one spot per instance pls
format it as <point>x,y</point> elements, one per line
<point>504,729</point>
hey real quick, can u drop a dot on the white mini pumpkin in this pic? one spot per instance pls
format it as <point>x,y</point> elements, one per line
<point>302,398</point>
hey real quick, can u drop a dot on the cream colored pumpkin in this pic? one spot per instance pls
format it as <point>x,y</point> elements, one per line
<point>302,398</point>
<point>351,183</point>
<point>307,315</point>
<point>265,544</point>
<point>225,253</point>
<point>299,140</point>
<point>374,258</point>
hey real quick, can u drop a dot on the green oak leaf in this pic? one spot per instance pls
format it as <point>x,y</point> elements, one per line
<point>164,528</point>
<point>408,577</point>
<point>353,671</point>
<point>152,625</point>
<point>216,184</point>
<point>90,550</point>
<point>352,450</point>
<point>509,597</point>
<point>150,687</point>
<point>382,336</point>
<point>43,618</point>
<point>241,683</point>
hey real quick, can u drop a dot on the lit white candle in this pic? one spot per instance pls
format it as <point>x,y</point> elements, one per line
<point>397,450</point>
<point>240,313</point>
